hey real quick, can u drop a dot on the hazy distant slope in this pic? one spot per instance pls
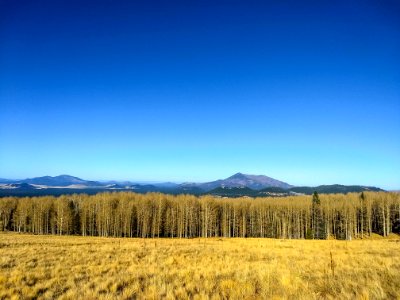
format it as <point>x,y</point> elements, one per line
<point>61,180</point>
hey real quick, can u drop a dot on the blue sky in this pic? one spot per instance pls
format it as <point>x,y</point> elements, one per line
<point>308,93</point>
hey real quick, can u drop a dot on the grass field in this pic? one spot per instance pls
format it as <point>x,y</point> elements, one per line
<point>48,267</point>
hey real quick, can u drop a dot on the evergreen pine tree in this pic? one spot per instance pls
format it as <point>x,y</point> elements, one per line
<point>317,218</point>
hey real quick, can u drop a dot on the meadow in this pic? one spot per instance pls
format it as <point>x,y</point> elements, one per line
<point>76,267</point>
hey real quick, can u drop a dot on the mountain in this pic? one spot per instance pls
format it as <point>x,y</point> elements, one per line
<point>61,180</point>
<point>254,182</point>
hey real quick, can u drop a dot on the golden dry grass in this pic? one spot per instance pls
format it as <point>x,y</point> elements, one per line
<point>65,267</point>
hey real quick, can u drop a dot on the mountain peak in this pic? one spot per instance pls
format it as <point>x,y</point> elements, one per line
<point>237,175</point>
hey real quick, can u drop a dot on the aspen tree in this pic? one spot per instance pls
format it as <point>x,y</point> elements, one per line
<point>158,215</point>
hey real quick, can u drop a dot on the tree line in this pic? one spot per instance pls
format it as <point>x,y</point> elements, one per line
<point>127,214</point>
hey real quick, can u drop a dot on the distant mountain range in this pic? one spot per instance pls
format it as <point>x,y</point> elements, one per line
<point>237,185</point>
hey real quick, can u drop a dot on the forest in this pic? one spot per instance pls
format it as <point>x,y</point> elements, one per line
<point>154,215</point>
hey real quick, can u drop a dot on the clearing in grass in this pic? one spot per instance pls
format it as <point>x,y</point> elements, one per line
<point>70,267</point>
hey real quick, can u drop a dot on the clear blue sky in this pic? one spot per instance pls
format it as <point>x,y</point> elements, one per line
<point>307,92</point>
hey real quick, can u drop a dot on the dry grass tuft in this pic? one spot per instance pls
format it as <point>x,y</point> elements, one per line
<point>48,267</point>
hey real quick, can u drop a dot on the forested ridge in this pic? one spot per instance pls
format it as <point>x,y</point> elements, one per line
<point>127,214</point>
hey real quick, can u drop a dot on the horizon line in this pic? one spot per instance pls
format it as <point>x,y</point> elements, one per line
<point>140,181</point>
